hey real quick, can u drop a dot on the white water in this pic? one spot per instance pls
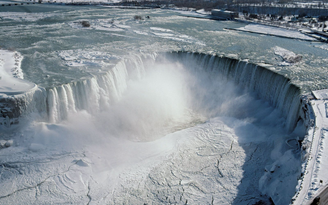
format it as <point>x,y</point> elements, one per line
<point>110,136</point>
<point>102,91</point>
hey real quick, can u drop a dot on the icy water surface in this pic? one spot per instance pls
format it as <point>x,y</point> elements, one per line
<point>58,49</point>
<point>123,127</point>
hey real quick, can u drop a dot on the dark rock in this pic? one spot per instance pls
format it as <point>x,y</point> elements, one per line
<point>316,201</point>
<point>136,17</point>
<point>85,23</point>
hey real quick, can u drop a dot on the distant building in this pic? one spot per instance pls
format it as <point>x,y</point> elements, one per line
<point>224,14</point>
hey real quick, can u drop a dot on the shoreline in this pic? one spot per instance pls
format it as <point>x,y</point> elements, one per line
<point>11,75</point>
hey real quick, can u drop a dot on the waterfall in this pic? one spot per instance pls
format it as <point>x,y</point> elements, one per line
<point>95,93</point>
<point>99,92</point>
<point>267,84</point>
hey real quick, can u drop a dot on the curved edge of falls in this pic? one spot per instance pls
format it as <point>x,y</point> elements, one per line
<point>95,93</point>
<point>100,91</point>
<point>269,85</point>
<point>15,106</point>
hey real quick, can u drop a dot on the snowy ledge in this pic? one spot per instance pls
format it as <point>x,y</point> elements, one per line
<point>271,30</point>
<point>11,75</point>
<point>14,90</point>
<point>314,147</point>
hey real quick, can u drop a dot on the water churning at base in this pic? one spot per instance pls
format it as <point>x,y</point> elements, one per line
<point>193,74</point>
<point>176,113</point>
<point>100,92</point>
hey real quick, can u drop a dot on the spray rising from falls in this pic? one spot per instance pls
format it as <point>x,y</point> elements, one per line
<point>268,85</point>
<point>201,112</point>
<point>194,86</point>
<point>93,94</point>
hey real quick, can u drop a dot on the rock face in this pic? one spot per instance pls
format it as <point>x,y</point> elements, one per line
<point>6,143</point>
<point>286,55</point>
<point>293,59</point>
<point>85,23</point>
<point>12,107</point>
<point>10,110</point>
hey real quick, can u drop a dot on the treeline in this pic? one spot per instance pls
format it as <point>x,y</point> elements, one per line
<point>197,4</point>
<point>230,4</point>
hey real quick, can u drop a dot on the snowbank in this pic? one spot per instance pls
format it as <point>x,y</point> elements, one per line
<point>11,75</point>
<point>25,16</point>
<point>17,96</point>
<point>275,31</point>
<point>286,55</point>
<point>314,146</point>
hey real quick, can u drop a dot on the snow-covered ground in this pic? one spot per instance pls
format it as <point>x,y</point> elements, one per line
<point>292,24</point>
<point>24,16</point>
<point>281,32</point>
<point>314,4</point>
<point>315,144</point>
<point>288,57</point>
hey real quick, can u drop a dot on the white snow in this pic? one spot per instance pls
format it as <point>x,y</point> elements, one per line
<point>192,13</point>
<point>169,34</point>
<point>288,57</point>
<point>314,4</point>
<point>160,29</point>
<point>315,145</point>
<point>270,30</point>
<point>25,16</point>
<point>101,24</point>
<point>81,57</point>
<point>320,94</point>
<point>11,76</point>
<point>173,35</point>
<point>207,162</point>
<point>202,11</point>
<point>324,46</point>
<point>140,32</point>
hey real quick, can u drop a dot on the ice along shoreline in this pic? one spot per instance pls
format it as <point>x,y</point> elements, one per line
<point>11,75</point>
<point>314,180</point>
<point>15,92</point>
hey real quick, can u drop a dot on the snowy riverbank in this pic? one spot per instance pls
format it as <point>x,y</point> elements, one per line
<point>314,146</point>
<point>16,94</point>
<point>11,75</point>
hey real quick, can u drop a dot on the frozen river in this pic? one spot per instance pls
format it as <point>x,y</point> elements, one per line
<point>152,106</point>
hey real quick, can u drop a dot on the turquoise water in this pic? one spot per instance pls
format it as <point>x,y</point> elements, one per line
<point>57,49</point>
